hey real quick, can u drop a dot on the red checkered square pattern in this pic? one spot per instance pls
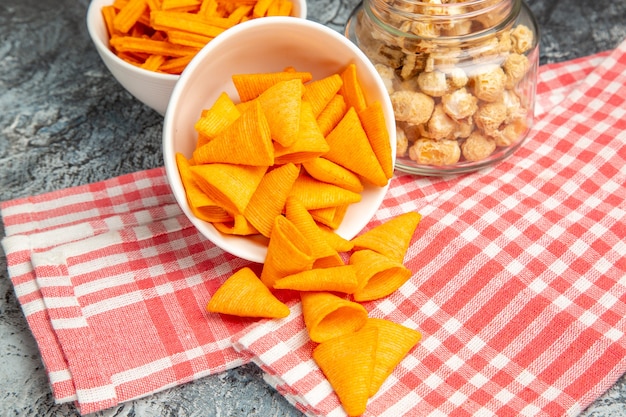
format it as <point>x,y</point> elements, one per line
<point>518,285</point>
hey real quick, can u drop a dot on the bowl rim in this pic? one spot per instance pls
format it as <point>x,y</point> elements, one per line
<point>169,152</point>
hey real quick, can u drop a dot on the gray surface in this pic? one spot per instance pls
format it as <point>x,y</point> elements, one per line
<point>65,121</point>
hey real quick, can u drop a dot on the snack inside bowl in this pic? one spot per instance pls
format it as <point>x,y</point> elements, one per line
<point>265,45</point>
<point>150,87</point>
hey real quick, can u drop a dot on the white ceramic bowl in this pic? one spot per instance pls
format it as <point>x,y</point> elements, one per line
<point>265,45</point>
<point>151,88</point>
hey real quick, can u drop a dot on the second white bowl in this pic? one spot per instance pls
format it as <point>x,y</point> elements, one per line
<point>150,87</point>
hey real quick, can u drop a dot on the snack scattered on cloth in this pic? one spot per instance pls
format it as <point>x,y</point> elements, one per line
<point>518,285</point>
<point>330,292</point>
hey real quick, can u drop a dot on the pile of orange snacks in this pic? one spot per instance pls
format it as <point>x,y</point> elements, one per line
<point>164,35</point>
<point>284,163</point>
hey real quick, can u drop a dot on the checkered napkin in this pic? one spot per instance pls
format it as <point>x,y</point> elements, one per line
<point>113,279</point>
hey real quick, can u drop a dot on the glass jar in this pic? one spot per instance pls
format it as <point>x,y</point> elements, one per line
<point>461,75</point>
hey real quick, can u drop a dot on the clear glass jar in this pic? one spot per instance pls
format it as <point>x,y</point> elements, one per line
<point>461,75</point>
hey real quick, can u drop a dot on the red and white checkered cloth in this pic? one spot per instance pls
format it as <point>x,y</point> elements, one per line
<point>519,286</point>
<point>113,280</point>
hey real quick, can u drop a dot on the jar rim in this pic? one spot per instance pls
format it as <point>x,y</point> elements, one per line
<point>510,9</point>
<point>443,6</point>
<point>463,3</point>
<point>475,7</point>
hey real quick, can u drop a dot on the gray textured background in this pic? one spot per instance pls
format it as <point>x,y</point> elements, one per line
<point>65,121</point>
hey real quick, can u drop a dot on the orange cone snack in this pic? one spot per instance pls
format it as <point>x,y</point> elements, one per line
<point>244,295</point>
<point>394,343</point>
<point>327,316</point>
<point>337,279</point>
<point>199,202</point>
<point>230,186</point>
<point>349,134</point>
<point>301,218</point>
<point>329,261</point>
<point>269,198</point>
<point>281,105</point>
<point>246,141</point>
<point>351,88</point>
<point>250,86</point>
<point>239,225</point>
<point>348,364</point>
<point>373,122</point>
<point>320,92</point>
<point>315,194</point>
<point>309,142</point>
<point>332,114</point>
<point>287,252</point>
<point>330,216</point>
<point>378,275</point>
<point>335,241</point>
<point>391,238</point>
<point>215,119</point>
<point>327,171</point>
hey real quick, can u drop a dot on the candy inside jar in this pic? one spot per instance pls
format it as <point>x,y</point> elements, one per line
<point>461,76</point>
